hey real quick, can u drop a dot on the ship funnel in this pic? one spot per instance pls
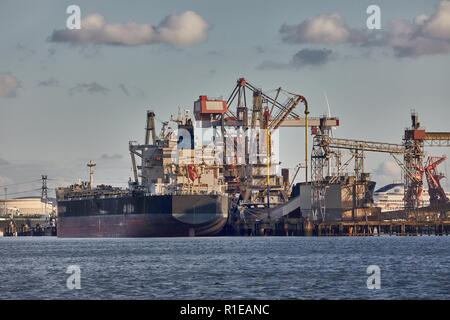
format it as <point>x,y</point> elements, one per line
<point>150,129</point>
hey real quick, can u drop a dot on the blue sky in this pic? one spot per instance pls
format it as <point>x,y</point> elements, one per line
<point>65,102</point>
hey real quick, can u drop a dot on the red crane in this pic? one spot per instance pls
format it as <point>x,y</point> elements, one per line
<point>435,190</point>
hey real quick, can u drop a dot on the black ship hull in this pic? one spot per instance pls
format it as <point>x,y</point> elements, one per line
<point>143,216</point>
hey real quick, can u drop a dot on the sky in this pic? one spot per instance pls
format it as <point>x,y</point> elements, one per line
<point>68,96</point>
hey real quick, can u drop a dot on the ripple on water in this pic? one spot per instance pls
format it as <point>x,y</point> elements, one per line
<point>226,268</point>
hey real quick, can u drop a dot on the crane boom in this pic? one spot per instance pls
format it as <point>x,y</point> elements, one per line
<point>372,146</point>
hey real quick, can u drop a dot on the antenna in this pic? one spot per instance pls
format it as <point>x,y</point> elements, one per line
<point>328,104</point>
<point>329,111</point>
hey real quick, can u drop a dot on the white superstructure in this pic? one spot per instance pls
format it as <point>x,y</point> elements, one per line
<point>390,197</point>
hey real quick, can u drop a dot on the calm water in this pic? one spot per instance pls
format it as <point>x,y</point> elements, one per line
<point>226,268</point>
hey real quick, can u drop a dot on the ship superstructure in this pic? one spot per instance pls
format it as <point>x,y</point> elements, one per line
<point>170,163</point>
<point>172,193</point>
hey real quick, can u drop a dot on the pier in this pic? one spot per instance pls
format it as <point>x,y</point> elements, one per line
<point>420,222</point>
<point>302,227</point>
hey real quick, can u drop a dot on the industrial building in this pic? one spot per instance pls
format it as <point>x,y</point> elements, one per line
<point>26,207</point>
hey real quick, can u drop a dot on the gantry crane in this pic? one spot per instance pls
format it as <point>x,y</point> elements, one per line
<point>412,150</point>
<point>324,149</point>
<point>415,140</point>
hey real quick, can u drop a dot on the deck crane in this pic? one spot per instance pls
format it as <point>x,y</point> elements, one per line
<point>265,115</point>
<point>272,123</point>
<point>240,117</point>
<point>250,113</point>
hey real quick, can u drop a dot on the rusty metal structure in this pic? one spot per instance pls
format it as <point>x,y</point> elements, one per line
<point>437,193</point>
<point>326,156</point>
<point>415,140</point>
<point>409,155</point>
<point>249,119</point>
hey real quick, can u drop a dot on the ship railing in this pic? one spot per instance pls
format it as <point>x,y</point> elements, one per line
<point>93,193</point>
<point>201,189</point>
<point>182,189</point>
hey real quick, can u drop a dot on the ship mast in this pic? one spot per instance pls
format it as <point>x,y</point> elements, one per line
<point>91,164</point>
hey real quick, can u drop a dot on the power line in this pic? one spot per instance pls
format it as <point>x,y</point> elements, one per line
<point>18,183</point>
<point>21,192</point>
<point>62,178</point>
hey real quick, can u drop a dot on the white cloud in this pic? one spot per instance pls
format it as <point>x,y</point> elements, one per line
<point>8,85</point>
<point>438,25</point>
<point>423,35</point>
<point>325,29</point>
<point>185,29</point>
<point>387,172</point>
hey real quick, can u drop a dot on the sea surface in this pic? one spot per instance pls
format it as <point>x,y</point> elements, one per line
<point>225,268</point>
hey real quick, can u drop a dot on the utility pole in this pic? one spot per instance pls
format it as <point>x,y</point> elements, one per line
<point>6,198</point>
<point>306,141</point>
<point>44,193</point>
<point>91,164</point>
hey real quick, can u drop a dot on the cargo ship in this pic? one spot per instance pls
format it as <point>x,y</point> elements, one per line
<point>171,195</point>
<point>141,215</point>
<point>207,172</point>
